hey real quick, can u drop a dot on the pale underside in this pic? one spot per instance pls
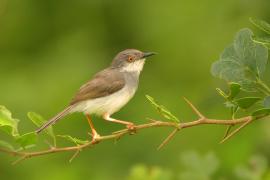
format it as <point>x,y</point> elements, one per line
<point>106,105</point>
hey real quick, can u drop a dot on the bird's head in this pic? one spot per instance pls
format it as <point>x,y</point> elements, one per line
<point>130,60</point>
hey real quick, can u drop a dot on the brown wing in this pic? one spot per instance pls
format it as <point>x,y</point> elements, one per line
<point>104,83</point>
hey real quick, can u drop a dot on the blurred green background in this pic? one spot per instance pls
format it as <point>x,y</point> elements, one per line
<point>49,48</point>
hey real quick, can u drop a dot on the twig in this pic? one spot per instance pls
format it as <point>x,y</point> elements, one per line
<point>202,120</point>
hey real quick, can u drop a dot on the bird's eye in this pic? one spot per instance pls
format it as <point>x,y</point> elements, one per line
<point>130,59</point>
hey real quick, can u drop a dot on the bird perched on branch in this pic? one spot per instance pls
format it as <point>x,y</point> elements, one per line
<point>108,91</point>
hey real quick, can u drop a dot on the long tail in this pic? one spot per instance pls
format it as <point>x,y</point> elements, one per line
<point>55,119</point>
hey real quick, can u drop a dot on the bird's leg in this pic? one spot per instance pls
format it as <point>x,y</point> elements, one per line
<point>129,125</point>
<point>95,135</point>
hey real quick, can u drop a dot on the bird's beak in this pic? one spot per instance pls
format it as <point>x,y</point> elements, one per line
<point>147,54</point>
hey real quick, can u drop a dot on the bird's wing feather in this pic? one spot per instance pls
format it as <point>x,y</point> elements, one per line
<point>104,83</point>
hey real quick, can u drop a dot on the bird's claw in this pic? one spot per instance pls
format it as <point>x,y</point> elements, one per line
<point>131,128</point>
<point>95,137</point>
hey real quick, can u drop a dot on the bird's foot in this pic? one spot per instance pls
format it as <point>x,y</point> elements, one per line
<point>132,129</point>
<point>95,137</point>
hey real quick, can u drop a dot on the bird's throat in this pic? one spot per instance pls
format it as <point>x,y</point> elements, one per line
<point>136,66</point>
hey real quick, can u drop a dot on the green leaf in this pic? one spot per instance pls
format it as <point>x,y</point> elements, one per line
<point>261,112</point>
<point>242,62</point>
<point>73,139</point>
<point>27,140</point>
<point>246,102</point>
<point>6,145</point>
<point>162,110</point>
<point>266,102</point>
<point>263,25</point>
<point>7,123</point>
<point>38,120</point>
<point>234,90</point>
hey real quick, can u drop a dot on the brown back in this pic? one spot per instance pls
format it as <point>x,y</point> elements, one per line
<point>104,83</point>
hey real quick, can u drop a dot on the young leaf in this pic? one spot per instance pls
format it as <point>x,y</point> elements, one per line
<point>6,145</point>
<point>73,139</point>
<point>266,102</point>
<point>27,140</point>
<point>246,102</point>
<point>162,110</point>
<point>261,112</point>
<point>38,120</point>
<point>264,26</point>
<point>7,123</point>
<point>242,62</point>
<point>234,90</point>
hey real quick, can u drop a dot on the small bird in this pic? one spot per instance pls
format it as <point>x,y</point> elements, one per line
<point>108,91</point>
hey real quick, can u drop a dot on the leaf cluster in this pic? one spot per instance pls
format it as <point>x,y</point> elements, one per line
<point>9,126</point>
<point>242,65</point>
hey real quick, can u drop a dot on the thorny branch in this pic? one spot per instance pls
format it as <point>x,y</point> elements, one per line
<point>202,120</point>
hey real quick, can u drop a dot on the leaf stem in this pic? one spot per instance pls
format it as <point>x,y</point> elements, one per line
<point>266,89</point>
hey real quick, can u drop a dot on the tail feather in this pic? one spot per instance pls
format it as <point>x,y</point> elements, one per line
<point>53,120</point>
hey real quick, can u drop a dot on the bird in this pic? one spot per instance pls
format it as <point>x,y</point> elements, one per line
<point>107,92</point>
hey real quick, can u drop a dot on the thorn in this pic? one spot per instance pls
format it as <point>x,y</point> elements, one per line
<point>194,108</point>
<point>19,160</point>
<point>235,131</point>
<point>229,127</point>
<point>168,138</point>
<point>152,120</point>
<point>116,139</point>
<point>74,155</point>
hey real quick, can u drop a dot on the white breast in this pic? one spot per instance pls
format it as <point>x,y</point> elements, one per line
<point>109,104</point>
